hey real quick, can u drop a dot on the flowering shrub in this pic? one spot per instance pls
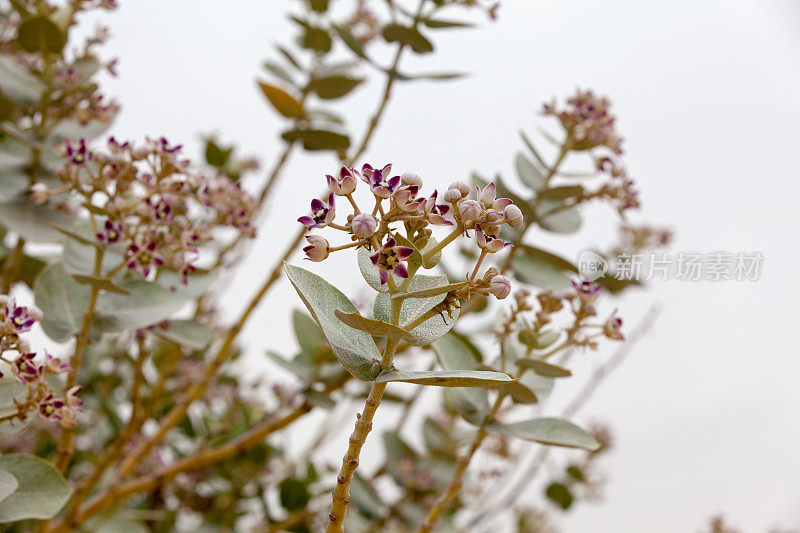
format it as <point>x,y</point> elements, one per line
<point>111,249</point>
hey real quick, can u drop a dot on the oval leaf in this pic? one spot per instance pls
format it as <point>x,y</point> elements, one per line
<point>552,431</point>
<point>333,86</point>
<point>283,102</point>
<point>552,217</point>
<point>446,378</point>
<point>376,328</point>
<point>62,301</point>
<point>529,174</point>
<point>8,484</point>
<point>355,349</point>
<point>544,368</point>
<point>42,491</point>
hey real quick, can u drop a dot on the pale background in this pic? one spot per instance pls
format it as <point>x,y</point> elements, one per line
<point>705,411</point>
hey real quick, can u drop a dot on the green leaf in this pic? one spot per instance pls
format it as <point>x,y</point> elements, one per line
<point>529,174</point>
<point>185,332</point>
<point>552,431</point>
<point>283,102</point>
<point>10,390</point>
<point>350,41</point>
<point>454,354</point>
<point>557,219</point>
<point>370,271</point>
<point>42,491</point>
<point>432,23</point>
<point>560,495</point>
<point>540,342</point>
<point>145,304</point>
<point>413,308</point>
<point>355,349</point>
<point>446,378</point>
<point>293,494</point>
<point>376,328</point>
<point>539,273</point>
<point>34,222</point>
<point>393,32</point>
<point>543,368</point>
<point>8,484</point>
<point>62,301</point>
<point>319,399</point>
<point>316,38</point>
<point>17,84</point>
<point>215,155</point>
<point>103,284</point>
<point>431,76</point>
<point>308,334</point>
<point>316,139</point>
<point>518,391</point>
<point>280,72</point>
<point>320,6</point>
<point>40,34</point>
<point>332,87</point>
<point>563,193</point>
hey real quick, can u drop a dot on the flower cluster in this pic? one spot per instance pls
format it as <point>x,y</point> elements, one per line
<point>588,121</point>
<point>397,200</point>
<point>40,395</point>
<point>149,203</point>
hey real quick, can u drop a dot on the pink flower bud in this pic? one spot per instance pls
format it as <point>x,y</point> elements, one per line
<point>470,210</point>
<point>451,196</point>
<point>500,287</point>
<point>461,187</point>
<point>317,249</point>
<point>364,225</point>
<point>612,326</point>
<point>513,216</point>
<point>409,178</point>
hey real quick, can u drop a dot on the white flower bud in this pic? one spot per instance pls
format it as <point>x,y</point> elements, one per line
<point>470,210</point>
<point>317,249</point>
<point>513,215</point>
<point>452,196</point>
<point>461,187</point>
<point>409,178</point>
<point>364,225</point>
<point>500,287</point>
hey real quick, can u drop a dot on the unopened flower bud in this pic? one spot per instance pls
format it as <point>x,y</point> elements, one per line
<point>461,187</point>
<point>39,193</point>
<point>364,225</point>
<point>409,178</point>
<point>452,196</point>
<point>317,249</point>
<point>500,287</point>
<point>612,326</point>
<point>470,210</point>
<point>513,216</point>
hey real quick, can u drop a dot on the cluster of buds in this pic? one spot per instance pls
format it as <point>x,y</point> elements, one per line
<point>40,395</point>
<point>397,200</point>
<point>147,202</point>
<point>588,121</point>
<point>619,189</point>
<point>363,23</point>
<point>633,239</point>
<point>580,301</point>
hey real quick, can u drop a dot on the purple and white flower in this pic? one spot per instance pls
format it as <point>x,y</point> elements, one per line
<point>144,259</point>
<point>18,318</point>
<point>488,242</point>
<point>321,214</point>
<point>343,185</point>
<point>390,259</point>
<point>317,249</point>
<point>435,212</point>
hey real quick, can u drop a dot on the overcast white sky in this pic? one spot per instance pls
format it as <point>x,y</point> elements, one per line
<point>706,410</point>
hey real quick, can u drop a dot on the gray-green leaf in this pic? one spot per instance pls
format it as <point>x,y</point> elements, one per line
<point>446,378</point>
<point>376,328</point>
<point>529,174</point>
<point>355,349</point>
<point>8,484</point>
<point>41,494</point>
<point>62,301</point>
<point>552,431</point>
